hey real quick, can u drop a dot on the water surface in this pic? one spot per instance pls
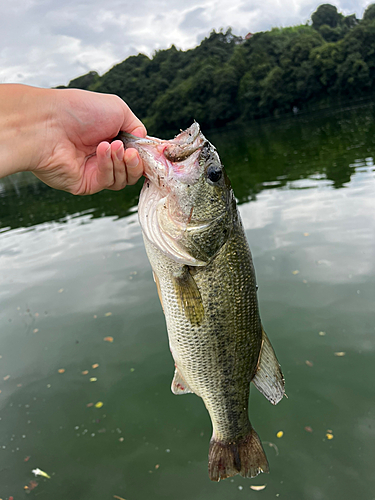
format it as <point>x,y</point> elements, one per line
<point>74,272</point>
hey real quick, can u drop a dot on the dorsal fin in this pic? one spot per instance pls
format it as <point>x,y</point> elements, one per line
<point>269,379</point>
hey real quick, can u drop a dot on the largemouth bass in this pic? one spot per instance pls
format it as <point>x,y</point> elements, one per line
<point>205,278</point>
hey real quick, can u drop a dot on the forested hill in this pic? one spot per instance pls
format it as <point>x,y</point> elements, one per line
<point>229,78</point>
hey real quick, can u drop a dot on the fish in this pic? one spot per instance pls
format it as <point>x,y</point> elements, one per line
<point>204,273</point>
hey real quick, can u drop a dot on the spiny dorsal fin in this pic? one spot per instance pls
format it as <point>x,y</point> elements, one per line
<point>188,296</point>
<point>269,379</point>
<point>179,385</point>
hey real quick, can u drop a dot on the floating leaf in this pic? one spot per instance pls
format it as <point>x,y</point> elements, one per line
<point>308,428</point>
<point>36,330</point>
<point>89,405</point>
<point>280,434</point>
<point>61,370</point>
<point>39,472</point>
<point>93,379</point>
<point>295,272</point>
<point>95,365</point>
<point>7,377</point>
<point>329,435</point>
<point>85,372</point>
<point>118,498</point>
<point>108,314</point>
<point>258,488</point>
<point>309,363</point>
<point>99,404</point>
<point>306,234</point>
<point>30,486</point>
<point>340,354</point>
<point>108,339</point>
<point>61,290</point>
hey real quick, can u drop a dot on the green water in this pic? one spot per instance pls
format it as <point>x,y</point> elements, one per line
<point>306,194</point>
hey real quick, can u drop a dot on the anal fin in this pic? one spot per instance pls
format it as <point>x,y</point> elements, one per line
<point>269,379</point>
<point>179,385</point>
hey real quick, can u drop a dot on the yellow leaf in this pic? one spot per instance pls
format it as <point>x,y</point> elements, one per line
<point>280,434</point>
<point>340,353</point>
<point>99,404</point>
<point>108,314</point>
<point>295,272</point>
<point>329,435</point>
<point>93,379</point>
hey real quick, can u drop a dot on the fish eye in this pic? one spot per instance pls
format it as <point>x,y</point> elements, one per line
<point>214,173</point>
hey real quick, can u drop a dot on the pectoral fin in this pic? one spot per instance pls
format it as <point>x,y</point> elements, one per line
<point>188,296</point>
<point>269,379</point>
<point>179,386</point>
<point>156,279</point>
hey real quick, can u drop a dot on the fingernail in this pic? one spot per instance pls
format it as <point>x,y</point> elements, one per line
<point>108,152</point>
<point>132,162</point>
<point>140,132</point>
<point>120,153</point>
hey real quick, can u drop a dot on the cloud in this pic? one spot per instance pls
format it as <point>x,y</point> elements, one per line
<point>48,42</point>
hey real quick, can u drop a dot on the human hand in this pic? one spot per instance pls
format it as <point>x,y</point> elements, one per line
<point>76,155</point>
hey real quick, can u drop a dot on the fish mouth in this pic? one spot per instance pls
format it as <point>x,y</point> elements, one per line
<point>169,159</point>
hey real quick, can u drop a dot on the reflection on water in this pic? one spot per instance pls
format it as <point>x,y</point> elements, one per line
<point>74,272</point>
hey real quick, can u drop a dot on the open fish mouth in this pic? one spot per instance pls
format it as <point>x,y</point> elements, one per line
<point>167,159</point>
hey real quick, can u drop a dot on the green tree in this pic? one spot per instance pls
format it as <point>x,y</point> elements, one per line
<point>325,59</point>
<point>369,13</point>
<point>326,14</point>
<point>353,76</point>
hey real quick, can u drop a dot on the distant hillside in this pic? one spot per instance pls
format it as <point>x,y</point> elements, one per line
<point>229,78</point>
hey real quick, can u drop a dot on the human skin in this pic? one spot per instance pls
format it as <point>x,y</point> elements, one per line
<point>63,136</point>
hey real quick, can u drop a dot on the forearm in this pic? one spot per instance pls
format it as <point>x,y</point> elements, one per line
<point>25,113</point>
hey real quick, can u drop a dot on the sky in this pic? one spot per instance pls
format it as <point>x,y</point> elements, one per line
<point>47,43</point>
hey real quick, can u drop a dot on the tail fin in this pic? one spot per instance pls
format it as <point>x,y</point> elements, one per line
<point>245,456</point>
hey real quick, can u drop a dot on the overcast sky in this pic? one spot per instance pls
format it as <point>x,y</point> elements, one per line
<point>50,42</point>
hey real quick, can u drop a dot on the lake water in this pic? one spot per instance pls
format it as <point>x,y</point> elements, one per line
<point>76,291</point>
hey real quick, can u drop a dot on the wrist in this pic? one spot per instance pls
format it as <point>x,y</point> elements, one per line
<point>25,113</point>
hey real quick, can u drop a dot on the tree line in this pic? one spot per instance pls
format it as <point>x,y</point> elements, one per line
<point>228,78</point>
